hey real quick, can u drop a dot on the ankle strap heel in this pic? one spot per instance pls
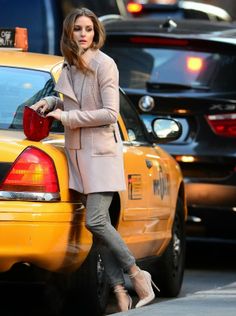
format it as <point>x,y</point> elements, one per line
<point>148,287</point>
<point>122,290</point>
<point>133,275</point>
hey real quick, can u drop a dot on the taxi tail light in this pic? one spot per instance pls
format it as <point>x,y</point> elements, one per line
<point>223,124</point>
<point>33,171</point>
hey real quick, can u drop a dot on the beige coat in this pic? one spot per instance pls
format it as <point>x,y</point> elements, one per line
<point>92,139</point>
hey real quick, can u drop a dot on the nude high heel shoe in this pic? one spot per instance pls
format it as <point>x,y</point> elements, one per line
<point>129,306</point>
<point>149,284</point>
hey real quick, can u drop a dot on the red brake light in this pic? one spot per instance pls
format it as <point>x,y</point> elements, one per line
<point>33,171</point>
<point>158,41</point>
<point>133,7</point>
<point>194,64</point>
<point>223,124</point>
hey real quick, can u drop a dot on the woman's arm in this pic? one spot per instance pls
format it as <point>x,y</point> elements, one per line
<point>48,104</point>
<point>54,103</point>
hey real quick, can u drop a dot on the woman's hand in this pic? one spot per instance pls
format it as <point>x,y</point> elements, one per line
<point>56,114</point>
<point>41,106</point>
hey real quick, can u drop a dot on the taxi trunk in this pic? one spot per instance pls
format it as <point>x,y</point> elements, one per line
<point>37,219</point>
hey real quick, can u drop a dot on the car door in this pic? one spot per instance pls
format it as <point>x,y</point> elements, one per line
<point>147,169</point>
<point>148,198</point>
<point>159,193</point>
<point>136,169</point>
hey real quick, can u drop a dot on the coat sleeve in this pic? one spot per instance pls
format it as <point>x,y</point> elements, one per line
<point>108,82</point>
<point>54,103</point>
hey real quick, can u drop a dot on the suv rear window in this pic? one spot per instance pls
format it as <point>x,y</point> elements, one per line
<point>143,64</point>
<point>20,87</point>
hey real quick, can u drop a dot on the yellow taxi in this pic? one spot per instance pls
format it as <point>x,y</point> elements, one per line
<point>42,222</point>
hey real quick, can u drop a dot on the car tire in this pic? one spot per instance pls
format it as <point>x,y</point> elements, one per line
<point>88,287</point>
<point>170,267</point>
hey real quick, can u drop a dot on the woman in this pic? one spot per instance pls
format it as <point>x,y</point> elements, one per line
<point>89,112</point>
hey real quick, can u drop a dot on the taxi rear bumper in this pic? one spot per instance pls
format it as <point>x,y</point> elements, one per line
<point>51,236</point>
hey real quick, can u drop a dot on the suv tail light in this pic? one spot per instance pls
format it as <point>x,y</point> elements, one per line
<point>33,171</point>
<point>223,124</point>
<point>158,41</point>
<point>133,7</point>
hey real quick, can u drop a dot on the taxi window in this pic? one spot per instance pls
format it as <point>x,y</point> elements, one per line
<point>131,119</point>
<point>20,87</point>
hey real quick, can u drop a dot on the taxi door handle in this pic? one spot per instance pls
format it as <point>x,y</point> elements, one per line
<point>149,163</point>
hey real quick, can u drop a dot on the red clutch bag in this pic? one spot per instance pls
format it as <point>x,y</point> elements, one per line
<point>35,125</point>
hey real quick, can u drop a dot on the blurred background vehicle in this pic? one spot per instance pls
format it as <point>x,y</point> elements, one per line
<point>177,9</point>
<point>228,5</point>
<point>44,18</point>
<point>186,70</point>
<point>101,7</point>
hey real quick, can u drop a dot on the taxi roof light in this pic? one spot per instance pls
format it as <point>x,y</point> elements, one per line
<point>33,171</point>
<point>14,38</point>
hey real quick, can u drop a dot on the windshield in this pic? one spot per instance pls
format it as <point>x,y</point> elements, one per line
<point>143,66</point>
<point>20,87</point>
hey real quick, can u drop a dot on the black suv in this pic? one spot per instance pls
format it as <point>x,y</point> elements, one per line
<point>186,70</point>
<point>177,9</point>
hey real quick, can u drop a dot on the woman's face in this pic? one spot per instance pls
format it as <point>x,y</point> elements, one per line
<point>83,32</point>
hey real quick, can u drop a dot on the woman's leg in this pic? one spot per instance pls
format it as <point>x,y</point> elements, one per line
<point>112,266</point>
<point>115,254</point>
<point>115,275</point>
<point>97,221</point>
<point>105,238</point>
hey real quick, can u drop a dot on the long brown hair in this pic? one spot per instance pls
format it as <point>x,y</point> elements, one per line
<point>69,48</point>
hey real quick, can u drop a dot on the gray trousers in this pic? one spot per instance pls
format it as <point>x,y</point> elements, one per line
<point>115,254</point>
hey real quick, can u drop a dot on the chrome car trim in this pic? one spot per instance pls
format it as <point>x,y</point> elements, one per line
<point>29,196</point>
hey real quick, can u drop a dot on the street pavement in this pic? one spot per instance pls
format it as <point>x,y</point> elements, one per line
<point>220,301</point>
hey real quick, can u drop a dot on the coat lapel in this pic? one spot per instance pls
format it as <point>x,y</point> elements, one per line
<point>64,84</point>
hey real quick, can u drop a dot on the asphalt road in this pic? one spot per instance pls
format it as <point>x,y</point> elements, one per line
<point>209,287</point>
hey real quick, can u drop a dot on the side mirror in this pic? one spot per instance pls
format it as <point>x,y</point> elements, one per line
<point>166,129</point>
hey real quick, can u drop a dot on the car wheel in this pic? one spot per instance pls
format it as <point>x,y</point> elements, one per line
<point>169,276</point>
<point>89,288</point>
